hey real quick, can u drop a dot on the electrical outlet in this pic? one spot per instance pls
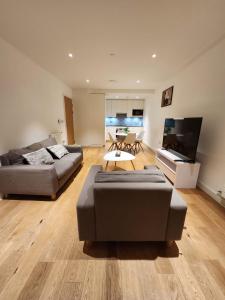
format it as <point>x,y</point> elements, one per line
<point>221,194</point>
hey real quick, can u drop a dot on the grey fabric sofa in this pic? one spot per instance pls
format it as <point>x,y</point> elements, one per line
<point>16,177</point>
<point>125,211</point>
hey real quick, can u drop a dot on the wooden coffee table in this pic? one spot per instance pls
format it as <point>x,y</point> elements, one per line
<point>124,156</point>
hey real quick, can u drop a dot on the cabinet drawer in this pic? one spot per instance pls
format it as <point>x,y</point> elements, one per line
<point>167,171</point>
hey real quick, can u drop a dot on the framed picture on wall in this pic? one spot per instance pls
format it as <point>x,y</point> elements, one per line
<point>167,96</point>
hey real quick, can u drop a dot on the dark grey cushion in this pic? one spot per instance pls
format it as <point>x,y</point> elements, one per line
<point>63,167</point>
<point>34,147</point>
<point>15,156</point>
<point>4,159</point>
<point>130,176</point>
<point>48,142</point>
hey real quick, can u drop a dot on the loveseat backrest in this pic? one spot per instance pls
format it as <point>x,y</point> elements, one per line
<point>131,211</point>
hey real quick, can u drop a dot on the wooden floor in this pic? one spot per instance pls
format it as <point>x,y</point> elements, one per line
<point>42,258</point>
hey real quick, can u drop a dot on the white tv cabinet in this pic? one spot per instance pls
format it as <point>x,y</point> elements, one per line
<point>183,175</point>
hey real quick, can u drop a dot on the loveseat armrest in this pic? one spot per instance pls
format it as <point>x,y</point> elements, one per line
<point>131,211</point>
<point>85,207</point>
<point>27,179</point>
<point>177,214</point>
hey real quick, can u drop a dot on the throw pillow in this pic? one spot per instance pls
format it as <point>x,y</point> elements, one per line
<point>58,150</point>
<point>39,157</point>
<point>16,156</point>
<point>4,159</point>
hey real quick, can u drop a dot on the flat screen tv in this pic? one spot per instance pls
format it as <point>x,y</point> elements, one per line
<point>181,137</point>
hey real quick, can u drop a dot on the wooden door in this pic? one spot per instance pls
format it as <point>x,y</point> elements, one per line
<point>69,120</point>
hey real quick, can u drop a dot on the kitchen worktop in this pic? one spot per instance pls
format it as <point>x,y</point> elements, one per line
<point>123,126</point>
<point>112,130</point>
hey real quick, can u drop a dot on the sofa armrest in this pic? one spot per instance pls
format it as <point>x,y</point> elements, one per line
<point>85,207</point>
<point>74,148</point>
<point>177,214</point>
<point>27,179</point>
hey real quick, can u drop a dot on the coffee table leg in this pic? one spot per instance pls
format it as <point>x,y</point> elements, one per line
<point>106,164</point>
<point>115,163</point>
<point>132,164</point>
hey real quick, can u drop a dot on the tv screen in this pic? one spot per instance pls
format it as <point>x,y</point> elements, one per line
<point>181,137</point>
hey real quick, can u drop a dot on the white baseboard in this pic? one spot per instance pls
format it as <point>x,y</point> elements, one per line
<point>93,146</point>
<point>211,193</point>
<point>149,147</point>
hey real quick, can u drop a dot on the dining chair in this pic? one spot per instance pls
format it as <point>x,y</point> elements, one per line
<point>114,143</point>
<point>139,141</point>
<point>129,142</point>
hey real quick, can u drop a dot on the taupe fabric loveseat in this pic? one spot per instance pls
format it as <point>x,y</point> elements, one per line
<point>129,211</point>
<point>16,177</point>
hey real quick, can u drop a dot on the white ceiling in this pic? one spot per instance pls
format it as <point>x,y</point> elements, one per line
<point>176,30</point>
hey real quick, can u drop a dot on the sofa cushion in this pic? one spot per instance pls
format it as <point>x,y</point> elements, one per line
<point>15,156</point>
<point>4,160</point>
<point>73,157</point>
<point>63,167</point>
<point>48,142</point>
<point>34,147</point>
<point>130,176</point>
<point>58,150</point>
<point>39,157</point>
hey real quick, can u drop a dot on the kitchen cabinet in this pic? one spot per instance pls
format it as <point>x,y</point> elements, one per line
<point>122,106</point>
<point>108,108</point>
<point>129,107</point>
<point>118,107</point>
<point>139,104</point>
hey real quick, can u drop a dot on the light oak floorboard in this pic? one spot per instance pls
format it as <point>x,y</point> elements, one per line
<point>42,258</point>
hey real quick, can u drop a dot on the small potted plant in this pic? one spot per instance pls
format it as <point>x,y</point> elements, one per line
<point>126,130</point>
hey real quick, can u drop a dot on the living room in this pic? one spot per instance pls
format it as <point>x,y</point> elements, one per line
<point>96,201</point>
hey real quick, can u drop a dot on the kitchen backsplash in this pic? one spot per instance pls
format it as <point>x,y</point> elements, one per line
<point>132,122</point>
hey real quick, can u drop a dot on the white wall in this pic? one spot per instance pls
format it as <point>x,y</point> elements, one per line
<point>31,100</point>
<point>199,90</point>
<point>89,118</point>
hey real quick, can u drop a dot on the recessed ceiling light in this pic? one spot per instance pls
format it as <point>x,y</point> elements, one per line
<point>137,97</point>
<point>87,80</point>
<point>154,55</point>
<point>138,81</point>
<point>70,55</point>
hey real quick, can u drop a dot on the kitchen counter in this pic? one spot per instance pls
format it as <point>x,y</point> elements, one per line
<point>123,126</point>
<point>112,130</point>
